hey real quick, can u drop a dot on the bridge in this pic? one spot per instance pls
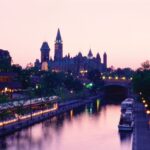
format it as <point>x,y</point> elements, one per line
<point>124,82</point>
<point>116,86</point>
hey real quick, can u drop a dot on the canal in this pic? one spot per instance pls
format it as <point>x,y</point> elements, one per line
<point>91,127</point>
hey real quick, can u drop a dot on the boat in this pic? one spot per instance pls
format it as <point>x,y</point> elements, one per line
<point>128,115</point>
<point>127,104</point>
<point>126,122</point>
<point>126,126</point>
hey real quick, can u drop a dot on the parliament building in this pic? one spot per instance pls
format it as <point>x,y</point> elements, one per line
<point>76,65</point>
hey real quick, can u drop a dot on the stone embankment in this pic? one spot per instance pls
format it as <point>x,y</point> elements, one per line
<point>141,134</point>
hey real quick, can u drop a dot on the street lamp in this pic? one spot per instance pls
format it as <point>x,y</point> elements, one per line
<point>148,112</point>
<point>146,105</point>
<point>116,78</point>
<point>36,86</point>
<point>103,77</point>
<point>6,89</point>
<point>144,101</point>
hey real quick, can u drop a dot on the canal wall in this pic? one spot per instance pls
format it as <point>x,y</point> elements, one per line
<point>141,133</point>
<point>20,124</point>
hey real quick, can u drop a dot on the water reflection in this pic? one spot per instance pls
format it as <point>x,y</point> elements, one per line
<point>93,126</point>
<point>125,136</point>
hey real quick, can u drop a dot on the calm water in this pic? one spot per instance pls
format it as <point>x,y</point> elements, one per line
<point>93,127</point>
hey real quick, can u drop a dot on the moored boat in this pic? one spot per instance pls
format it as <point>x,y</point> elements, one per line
<point>126,126</point>
<point>127,104</point>
<point>126,120</point>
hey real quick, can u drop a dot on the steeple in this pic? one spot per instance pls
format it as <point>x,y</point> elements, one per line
<point>68,55</point>
<point>98,57</point>
<point>79,54</point>
<point>58,37</point>
<point>90,55</point>
<point>58,47</point>
<point>105,60</point>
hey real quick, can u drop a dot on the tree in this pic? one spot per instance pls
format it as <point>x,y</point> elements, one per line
<point>16,68</point>
<point>73,84</point>
<point>146,65</point>
<point>95,77</point>
<point>141,80</point>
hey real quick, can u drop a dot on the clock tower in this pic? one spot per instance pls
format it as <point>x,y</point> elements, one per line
<point>58,47</point>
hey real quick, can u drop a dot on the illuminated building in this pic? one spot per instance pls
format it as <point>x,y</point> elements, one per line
<point>78,64</point>
<point>8,82</point>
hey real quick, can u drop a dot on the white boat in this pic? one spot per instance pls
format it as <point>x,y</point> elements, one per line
<point>127,115</point>
<point>126,126</point>
<point>127,120</point>
<point>127,104</point>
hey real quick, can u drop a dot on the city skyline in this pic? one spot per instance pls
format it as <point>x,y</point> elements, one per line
<point>119,28</point>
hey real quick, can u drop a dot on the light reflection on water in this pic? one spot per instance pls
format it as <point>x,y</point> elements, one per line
<point>91,128</point>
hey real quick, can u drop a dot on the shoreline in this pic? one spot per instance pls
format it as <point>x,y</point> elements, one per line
<point>21,124</point>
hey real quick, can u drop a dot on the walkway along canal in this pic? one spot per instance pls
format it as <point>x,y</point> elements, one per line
<point>28,120</point>
<point>141,136</point>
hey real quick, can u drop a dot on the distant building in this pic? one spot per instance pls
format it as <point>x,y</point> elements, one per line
<point>5,60</point>
<point>105,60</point>
<point>77,65</point>
<point>8,82</point>
<point>90,55</point>
<point>45,52</point>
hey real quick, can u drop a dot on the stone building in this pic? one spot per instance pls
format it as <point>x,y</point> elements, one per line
<point>76,65</point>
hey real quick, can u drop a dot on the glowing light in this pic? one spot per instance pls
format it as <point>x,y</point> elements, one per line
<point>44,66</point>
<point>103,77</point>
<point>123,78</point>
<point>144,101</point>
<point>90,85</point>
<point>83,71</point>
<point>97,104</point>
<point>148,112</point>
<point>146,105</point>
<point>37,87</point>
<point>71,114</point>
<point>6,89</point>
<point>109,77</point>
<point>116,78</point>
<point>71,91</point>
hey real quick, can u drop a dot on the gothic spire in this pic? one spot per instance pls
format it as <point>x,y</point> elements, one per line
<point>90,55</point>
<point>105,60</point>
<point>58,36</point>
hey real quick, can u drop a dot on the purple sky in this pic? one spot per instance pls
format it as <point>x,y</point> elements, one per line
<point>119,27</point>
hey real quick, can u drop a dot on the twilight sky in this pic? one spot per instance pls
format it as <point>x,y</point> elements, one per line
<point>119,27</point>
